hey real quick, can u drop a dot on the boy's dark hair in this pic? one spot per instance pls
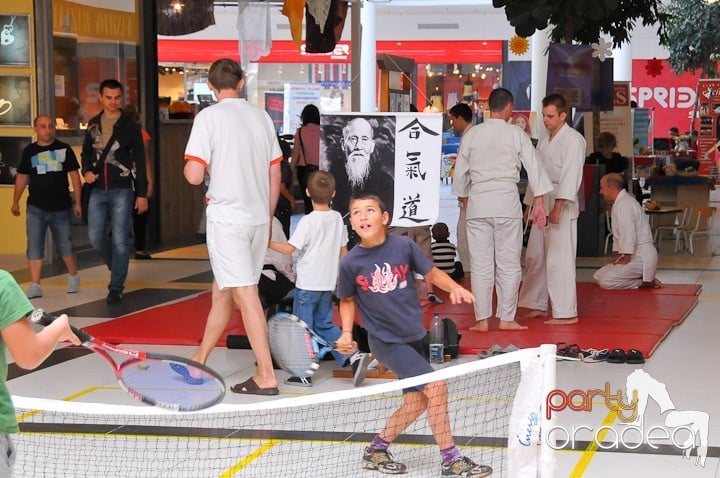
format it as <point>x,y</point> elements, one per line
<point>321,186</point>
<point>606,139</point>
<point>461,110</point>
<point>499,99</point>
<point>225,74</point>
<point>310,114</point>
<point>368,195</point>
<point>558,100</point>
<point>440,231</point>
<point>111,84</point>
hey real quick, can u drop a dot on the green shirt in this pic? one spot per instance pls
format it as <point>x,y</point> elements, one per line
<point>14,306</point>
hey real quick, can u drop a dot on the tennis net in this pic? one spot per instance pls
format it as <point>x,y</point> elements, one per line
<point>495,408</point>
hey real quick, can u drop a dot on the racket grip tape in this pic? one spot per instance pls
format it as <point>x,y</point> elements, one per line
<point>39,316</point>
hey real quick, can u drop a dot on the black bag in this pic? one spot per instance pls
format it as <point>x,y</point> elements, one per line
<point>451,344</point>
<point>85,200</point>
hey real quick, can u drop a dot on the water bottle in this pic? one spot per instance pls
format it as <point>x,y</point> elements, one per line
<point>437,340</point>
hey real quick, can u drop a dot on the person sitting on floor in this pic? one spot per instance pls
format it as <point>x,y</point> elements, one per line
<point>444,253</point>
<point>636,259</point>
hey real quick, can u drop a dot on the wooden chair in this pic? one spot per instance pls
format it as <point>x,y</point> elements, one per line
<point>699,225</point>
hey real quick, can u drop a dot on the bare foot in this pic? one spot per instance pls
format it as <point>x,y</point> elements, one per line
<point>511,325</point>
<point>655,284</point>
<point>569,321</point>
<point>481,326</point>
<point>534,313</point>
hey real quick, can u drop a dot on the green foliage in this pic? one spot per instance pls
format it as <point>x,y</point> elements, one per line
<point>693,36</point>
<point>583,21</point>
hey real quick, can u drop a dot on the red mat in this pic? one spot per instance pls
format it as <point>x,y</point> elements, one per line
<point>638,319</point>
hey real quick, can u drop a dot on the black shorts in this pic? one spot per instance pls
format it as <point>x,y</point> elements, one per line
<point>405,359</point>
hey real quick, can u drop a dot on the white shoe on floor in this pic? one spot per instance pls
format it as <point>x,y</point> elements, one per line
<point>73,284</point>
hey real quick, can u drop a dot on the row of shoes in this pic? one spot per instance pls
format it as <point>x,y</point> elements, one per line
<point>616,355</point>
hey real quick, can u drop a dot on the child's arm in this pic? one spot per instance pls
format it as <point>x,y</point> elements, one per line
<point>282,247</point>
<point>343,251</point>
<point>457,292</point>
<point>30,349</point>
<point>347,319</point>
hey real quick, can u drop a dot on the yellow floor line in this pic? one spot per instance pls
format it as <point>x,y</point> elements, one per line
<point>229,473</point>
<point>592,447</point>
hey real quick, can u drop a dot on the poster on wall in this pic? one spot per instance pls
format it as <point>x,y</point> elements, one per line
<point>524,120</point>
<point>274,107</point>
<point>709,129</point>
<point>11,148</point>
<point>571,71</point>
<point>641,130</point>
<point>15,101</point>
<point>14,40</point>
<point>297,95</point>
<point>396,156</point>
<point>616,121</point>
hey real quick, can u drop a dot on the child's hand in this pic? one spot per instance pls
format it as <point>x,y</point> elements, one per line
<point>460,294</point>
<point>345,344</point>
<point>66,332</point>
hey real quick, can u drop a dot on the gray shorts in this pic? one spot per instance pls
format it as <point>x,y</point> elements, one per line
<point>405,359</point>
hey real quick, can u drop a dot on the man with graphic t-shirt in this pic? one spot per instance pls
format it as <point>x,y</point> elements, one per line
<point>45,166</point>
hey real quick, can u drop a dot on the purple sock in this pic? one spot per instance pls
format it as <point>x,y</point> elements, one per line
<point>449,455</point>
<point>378,444</point>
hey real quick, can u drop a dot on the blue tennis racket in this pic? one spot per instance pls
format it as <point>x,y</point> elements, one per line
<point>296,348</point>
<point>165,381</point>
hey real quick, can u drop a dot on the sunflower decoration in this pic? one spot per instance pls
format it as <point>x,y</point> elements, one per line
<point>654,67</point>
<point>519,45</point>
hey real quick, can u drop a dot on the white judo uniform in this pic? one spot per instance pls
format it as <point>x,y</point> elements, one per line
<point>550,253</point>
<point>487,171</point>
<point>631,235</point>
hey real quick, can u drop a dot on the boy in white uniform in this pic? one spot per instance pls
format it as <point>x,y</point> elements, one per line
<point>237,144</point>
<point>550,255</point>
<point>321,238</point>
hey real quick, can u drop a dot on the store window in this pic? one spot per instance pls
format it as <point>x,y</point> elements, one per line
<point>92,44</point>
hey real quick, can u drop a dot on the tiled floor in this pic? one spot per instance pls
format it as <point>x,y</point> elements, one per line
<point>684,362</point>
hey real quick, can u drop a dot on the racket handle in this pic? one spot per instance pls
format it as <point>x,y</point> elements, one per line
<point>39,316</point>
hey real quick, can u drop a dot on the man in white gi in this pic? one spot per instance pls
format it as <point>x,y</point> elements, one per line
<point>487,172</point>
<point>550,254</point>
<point>461,120</point>
<point>636,259</point>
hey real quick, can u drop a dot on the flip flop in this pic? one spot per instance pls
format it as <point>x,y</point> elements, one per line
<point>634,356</point>
<point>251,388</point>
<point>617,356</point>
<point>183,371</point>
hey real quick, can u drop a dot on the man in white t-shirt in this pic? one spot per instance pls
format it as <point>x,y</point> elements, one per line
<point>236,143</point>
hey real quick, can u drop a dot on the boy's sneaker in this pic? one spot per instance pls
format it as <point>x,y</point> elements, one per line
<point>299,381</point>
<point>34,291</point>
<point>359,362</point>
<point>382,461</point>
<point>593,355</point>
<point>434,298</point>
<point>464,467</point>
<point>73,284</point>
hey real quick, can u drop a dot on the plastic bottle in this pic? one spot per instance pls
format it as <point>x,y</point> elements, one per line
<point>437,340</point>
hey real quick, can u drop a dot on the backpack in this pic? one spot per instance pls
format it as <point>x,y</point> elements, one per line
<point>451,343</point>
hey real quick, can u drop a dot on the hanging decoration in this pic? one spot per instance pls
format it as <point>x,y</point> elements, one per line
<point>519,45</point>
<point>654,67</point>
<point>601,50</point>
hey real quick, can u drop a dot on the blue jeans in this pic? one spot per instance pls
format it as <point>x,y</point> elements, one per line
<point>315,308</point>
<point>36,225</point>
<point>115,205</point>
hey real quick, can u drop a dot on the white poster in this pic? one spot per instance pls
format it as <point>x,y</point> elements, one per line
<point>396,156</point>
<point>297,95</point>
<point>618,121</point>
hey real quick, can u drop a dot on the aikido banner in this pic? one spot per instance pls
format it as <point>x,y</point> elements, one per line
<point>393,155</point>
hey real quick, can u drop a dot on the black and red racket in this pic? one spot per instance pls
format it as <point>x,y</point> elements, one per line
<point>165,381</point>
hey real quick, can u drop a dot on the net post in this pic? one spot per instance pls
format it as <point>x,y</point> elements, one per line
<point>547,463</point>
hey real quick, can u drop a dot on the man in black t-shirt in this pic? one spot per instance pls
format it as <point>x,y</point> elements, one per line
<point>45,166</point>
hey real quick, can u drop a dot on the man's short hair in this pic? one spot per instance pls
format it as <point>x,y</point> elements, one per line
<point>558,101</point>
<point>321,186</point>
<point>499,99</point>
<point>35,121</point>
<point>368,195</point>
<point>461,110</point>
<point>111,84</point>
<point>614,180</point>
<point>225,74</point>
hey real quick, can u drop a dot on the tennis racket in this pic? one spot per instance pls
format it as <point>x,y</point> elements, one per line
<point>296,348</point>
<point>165,381</point>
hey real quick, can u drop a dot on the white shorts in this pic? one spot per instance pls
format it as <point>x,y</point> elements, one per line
<point>237,253</point>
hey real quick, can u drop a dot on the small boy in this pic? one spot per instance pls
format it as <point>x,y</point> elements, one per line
<point>378,275</point>
<point>321,238</point>
<point>27,348</point>
<point>444,252</point>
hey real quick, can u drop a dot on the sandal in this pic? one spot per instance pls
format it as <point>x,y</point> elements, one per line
<point>634,356</point>
<point>569,351</point>
<point>617,356</point>
<point>250,387</point>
